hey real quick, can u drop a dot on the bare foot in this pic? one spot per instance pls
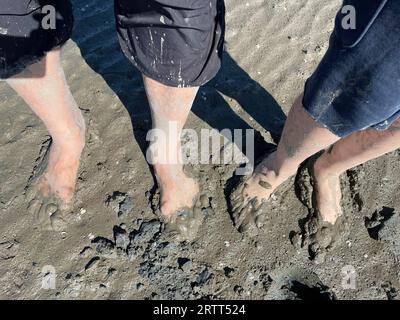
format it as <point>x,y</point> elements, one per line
<point>177,191</point>
<point>179,205</point>
<point>328,193</point>
<point>320,190</point>
<point>248,198</point>
<point>52,186</point>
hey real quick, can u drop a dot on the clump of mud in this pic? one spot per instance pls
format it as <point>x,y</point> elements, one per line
<point>163,264</point>
<point>298,284</point>
<point>384,225</point>
<point>121,203</point>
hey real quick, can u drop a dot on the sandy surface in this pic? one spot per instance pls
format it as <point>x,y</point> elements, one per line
<point>113,249</point>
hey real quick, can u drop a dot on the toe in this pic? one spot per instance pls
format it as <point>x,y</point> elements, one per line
<point>57,222</point>
<point>247,221</point>
<point>34,207</point>
<point>320,257</point>
<point>237,208</point>
<point>325,237</point>
<point>43,218</point>
<point>51,209</point>
<point>240,215</point>
<point>260,220</point>
<point>185,224</point>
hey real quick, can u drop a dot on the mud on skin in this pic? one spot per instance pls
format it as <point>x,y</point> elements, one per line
<point>114,161</point>
<point>186,222</point>
<point>317,235</point>
<point>248,217</point>
<point>46,209</point>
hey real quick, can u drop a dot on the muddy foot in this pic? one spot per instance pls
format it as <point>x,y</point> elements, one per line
<point>321,237</point>
<point>46,202</point>
<point>47,214</point>
<point>178,204</point>
<point>184,224</point>
<point>249,198</point>
<point>318,233</point>
<point>248,215</point>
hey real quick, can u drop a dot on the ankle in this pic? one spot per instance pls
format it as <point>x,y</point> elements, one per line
<point>275,173</point>
<point>168,173</point>
<point>72,141</point>
<point>323,167</point>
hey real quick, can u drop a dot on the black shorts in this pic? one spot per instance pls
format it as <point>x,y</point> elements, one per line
<point>176,42</point>
<point>357,84</point>
<point>24,39</point>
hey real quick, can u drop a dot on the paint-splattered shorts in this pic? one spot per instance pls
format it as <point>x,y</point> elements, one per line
<point>357,84</point>
<point>176,42</point>
<point>27,32</point>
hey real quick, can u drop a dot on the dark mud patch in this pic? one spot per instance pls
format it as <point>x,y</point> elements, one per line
<point>304,292</point>
<point>391,292</point>
<point>120,203</point>
<point>165,266</point>
<point>383,224</point>
<point>299,284</point>
<point>354,185</point>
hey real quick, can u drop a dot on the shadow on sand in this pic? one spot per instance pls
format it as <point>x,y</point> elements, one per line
<point>96,37</point>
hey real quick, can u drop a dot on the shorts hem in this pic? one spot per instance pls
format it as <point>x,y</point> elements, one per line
<point>172,84</point>
<point>322,124</point>
<point>25,63</point>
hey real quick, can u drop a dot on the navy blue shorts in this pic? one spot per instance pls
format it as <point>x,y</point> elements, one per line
<point>357,84</point>
<point>23,40</point>
<point>176,42</point>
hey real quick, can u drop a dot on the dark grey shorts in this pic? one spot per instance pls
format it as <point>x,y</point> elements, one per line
<point>357,84</point>
<point>23,40</point>
<point>176,42</point>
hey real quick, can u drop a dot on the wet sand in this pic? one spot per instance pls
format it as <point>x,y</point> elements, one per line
<point>113,248</point>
